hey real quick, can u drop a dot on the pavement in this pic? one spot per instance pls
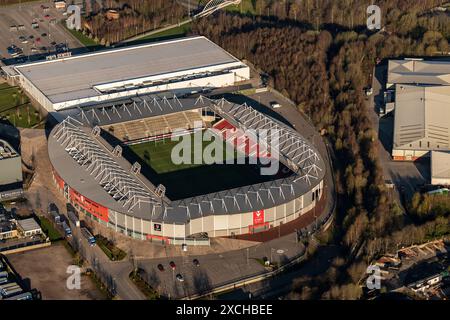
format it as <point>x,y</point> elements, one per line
<point>115,275</point>
<point>46,270</point>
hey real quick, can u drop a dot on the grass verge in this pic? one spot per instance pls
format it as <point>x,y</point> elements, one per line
<point>111,251</point>
<point>147,290</point>
<point>49,229</point>
<point>176,32</point>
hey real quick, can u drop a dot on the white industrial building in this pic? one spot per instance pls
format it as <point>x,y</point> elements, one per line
<point>418,71</point>
<point>182,66</point>
<point>422,121</point>
<point>440,168</point>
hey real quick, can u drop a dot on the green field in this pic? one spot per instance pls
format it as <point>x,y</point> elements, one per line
<point>188,180</point>
<point>176,32</point>
<point>245,7</point>
<point>16,107</point>
<point>49,229</point>
<point>85,40</point>
<point>158,155</point>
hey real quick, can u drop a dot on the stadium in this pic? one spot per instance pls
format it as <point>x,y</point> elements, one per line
<point>118,112</point>
<point>112,162</point>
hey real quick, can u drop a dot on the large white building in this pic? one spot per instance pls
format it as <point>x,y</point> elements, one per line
<point>422,121</point>
<point>181,66</point>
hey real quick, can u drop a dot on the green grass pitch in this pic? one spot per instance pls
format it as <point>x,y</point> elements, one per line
<point>188,180</point>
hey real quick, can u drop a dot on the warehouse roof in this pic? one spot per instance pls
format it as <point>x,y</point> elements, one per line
<point>440,165</point>
<point>75,77</point>
<point>416,71</point>
<point>28,224</point>
<point>422,112</point>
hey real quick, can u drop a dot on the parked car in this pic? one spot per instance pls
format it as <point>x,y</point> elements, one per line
<point>43,34</point>
<point>160,267</point>
<point>172,265</point>
<point>179,277</point>
<point>196,263</point>
<point>275,105</point>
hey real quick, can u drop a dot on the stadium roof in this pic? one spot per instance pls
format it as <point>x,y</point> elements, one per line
<point>75,77</point>
<point>72,147</point>
<point>440,165</point>
<point>416,71</point>
<point>422,112</point>
<point>130,109</point>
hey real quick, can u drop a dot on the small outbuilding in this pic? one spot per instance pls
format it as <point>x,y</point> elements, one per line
<point>440,168</point>
<point>29,227</point>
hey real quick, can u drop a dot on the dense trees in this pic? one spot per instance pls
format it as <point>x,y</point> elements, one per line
<point>136,16</point>
<point>295,60</point>
<point>324,72</point>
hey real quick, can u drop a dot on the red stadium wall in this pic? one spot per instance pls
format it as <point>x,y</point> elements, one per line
<point>90,206</point>
<point>59,181</point>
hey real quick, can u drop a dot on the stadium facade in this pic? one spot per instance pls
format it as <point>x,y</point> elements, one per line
<point>182,66</point>
<point>90,170</point>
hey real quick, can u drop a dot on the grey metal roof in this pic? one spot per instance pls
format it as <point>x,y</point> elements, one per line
<point>130,109</point>
<point>73,78</point>
<point>28,224</point>
<point>440,165</point>
<point>73,162</point>
<point>416,71</point>
<point>421,112</point>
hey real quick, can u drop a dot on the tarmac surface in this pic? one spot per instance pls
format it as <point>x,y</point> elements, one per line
<point>24,14</point>
<point>46,270</point>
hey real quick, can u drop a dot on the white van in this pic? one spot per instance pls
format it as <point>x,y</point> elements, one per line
<point>275,105</point>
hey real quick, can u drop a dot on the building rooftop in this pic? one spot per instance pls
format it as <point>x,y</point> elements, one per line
<point>440,165</point>
<point>6,226</point>
<point>6,151</point>
<point>77,77</point>
<point>28,224</point>
<point>422,112</point>
<point>417,71</point>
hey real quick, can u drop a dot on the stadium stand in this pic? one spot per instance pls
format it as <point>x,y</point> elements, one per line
<point>240,140</point>
<point>153,127</point>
